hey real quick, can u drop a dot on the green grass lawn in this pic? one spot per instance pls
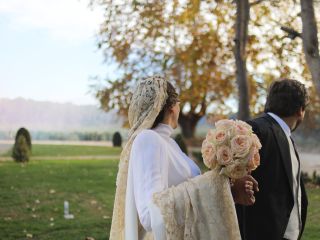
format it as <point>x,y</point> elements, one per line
<point>312,230</point>
<point>70,150</point>
<point>32,196</point>
<point>31,199</point>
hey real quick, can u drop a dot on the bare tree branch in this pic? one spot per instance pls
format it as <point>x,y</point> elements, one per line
<point>292,33</point>
<point>256,2</point>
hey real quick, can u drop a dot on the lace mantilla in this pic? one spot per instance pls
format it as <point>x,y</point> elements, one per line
<point>147,101</point>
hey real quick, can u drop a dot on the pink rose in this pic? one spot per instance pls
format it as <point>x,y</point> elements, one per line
<point>254,159</point>
<point>256,141</point>
<point>220,137</point>
<point>240,145</point>
<point>224,155</point>
<point>208,151</point>
<point>226,125</point>
<point>242,128</point>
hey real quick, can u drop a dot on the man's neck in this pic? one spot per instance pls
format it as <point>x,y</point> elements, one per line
<point>290,121</point>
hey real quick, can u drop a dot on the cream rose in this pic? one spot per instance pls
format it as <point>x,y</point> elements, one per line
<point>234,171</point>
<point>256,141</point>
<point>208,152</point>
<point>220,137</point>
<point>227,125</point>
<point>242,128</point>
<point>254,159</point>
<point>224,124</point>
<point>249,158</point>
<point>224,155</point>
<point>240,145</point>
<point>210,136</point>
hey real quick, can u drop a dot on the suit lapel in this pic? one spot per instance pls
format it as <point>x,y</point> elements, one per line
<point>283,145</point>
<point>295,150</point>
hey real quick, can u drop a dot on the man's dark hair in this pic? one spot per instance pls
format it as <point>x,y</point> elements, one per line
<point>170,102</point>
<point>286,97</point>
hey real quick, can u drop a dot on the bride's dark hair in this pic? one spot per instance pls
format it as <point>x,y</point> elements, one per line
<point>170,102</point>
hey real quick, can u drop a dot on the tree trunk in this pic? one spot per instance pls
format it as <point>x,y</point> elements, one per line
<point>188,124</point>
<point>310,41</point>
<point>243,14</point>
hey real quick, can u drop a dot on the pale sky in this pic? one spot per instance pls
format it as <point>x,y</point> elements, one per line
<point>48,50</point>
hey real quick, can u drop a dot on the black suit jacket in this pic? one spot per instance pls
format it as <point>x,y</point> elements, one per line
<point>267,219</point>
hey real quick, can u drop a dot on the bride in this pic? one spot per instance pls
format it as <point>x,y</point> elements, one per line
<point>160,192</point>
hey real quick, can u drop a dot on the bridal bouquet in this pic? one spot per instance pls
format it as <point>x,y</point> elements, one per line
<point>232,148</point>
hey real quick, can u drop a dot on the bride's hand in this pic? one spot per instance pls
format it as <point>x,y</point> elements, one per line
<point>243,190</point>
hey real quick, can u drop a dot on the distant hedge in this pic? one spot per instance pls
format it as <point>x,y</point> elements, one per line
<point>22,146</point>
<point>117,139</point>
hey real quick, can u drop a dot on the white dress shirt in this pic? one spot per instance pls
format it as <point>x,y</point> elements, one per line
<point>294,224</point>
<point>157,163</point>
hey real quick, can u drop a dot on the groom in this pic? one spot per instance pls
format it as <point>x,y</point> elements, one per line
<point>280,208</point>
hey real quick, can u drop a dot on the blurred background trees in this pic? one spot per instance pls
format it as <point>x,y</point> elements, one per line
<point>310,41</point>
<point>218,54</point>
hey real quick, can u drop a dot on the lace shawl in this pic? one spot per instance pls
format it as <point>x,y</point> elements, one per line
<point>200,208</point>
<point>147,101</point>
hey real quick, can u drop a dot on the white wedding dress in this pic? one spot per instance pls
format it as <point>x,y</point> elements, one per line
<point>169,199</point>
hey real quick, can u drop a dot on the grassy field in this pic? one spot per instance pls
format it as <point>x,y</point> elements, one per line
<point>32,196</point>
<point>69,150</point>
<point>32,199</point>
<point>312,231</point>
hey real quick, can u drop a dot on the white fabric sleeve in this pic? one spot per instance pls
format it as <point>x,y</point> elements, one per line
<point>148,161</point>
<point>157,222</point>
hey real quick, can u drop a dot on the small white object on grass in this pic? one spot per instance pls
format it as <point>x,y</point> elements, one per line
<point>67,215</point>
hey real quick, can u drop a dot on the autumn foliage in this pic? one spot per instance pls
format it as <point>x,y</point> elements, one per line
<point>192,42</point>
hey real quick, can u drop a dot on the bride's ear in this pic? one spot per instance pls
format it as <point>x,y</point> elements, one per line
<point>168,111</point>
<point>300,112</point>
